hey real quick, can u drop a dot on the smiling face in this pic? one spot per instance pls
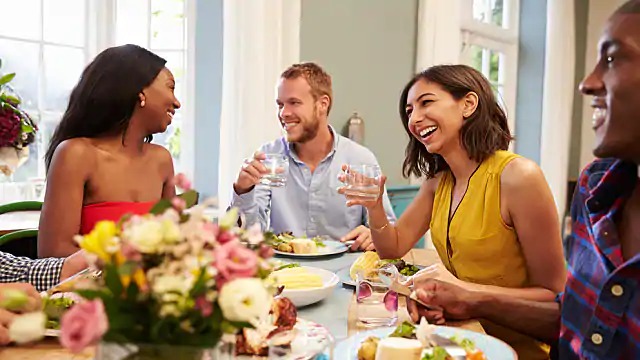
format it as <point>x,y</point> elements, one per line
<point>300,114</point>
<point>435,117</point>
<point>160,102</point>
<point>614,84</point>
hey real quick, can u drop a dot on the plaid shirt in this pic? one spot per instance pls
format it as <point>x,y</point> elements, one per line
<point>601,302</point>
<point>41,273</point>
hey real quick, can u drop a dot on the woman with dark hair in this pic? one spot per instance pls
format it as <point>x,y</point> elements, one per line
<point>491,214</point>
<point>100,162</point>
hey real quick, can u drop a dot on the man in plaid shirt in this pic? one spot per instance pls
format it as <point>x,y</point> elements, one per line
<point>32,276</point>
<point>598,314</point>
<point>41,273</point>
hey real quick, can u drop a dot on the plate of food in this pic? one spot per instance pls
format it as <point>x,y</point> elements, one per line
<point>423,342</point>
<point>371,261</point>
<point>306,340</point>
<point>56,305</point>
<point>286,244</point>
<point>304,285</point>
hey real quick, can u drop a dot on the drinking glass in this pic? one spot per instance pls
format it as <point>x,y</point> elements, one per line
<point>278,167</point>
<point>376,304</point>
<point>362,180</point>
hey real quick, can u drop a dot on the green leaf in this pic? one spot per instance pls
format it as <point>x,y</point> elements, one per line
<point>160,207</point>
<point>200,285</point>
<point>190,197</point>
<point>112,280</point>
<point>405,330</point>
<point>26,129</point>
<point>12,99</point>
<point>7,78</point>
<point>90,294</point>
<point>127,268</point>
<point>229,219</point>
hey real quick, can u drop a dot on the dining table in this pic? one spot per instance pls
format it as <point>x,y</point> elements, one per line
<point>336,312</point>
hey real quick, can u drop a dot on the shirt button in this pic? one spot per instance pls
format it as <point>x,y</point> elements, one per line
<point>617,290</point>
<point>596,338</point>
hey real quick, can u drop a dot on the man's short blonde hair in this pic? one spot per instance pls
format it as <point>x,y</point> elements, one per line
<point>314,74</point>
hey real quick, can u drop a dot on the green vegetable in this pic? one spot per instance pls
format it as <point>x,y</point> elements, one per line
<point>437,353</point>
<point>467,345</point>
<point>405,330</point>
<point>54,308</point>
<point>287,266</point>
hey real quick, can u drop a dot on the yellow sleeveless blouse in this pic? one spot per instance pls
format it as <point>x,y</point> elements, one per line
<point>477,246</point>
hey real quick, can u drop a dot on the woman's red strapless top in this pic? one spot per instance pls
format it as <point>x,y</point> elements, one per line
<point>110,210</point>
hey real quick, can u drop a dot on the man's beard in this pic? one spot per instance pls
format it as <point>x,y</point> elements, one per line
<point>309,130</point>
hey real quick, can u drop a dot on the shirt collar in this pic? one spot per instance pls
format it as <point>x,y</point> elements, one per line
<point>290,150</point>
<point>610,180</point>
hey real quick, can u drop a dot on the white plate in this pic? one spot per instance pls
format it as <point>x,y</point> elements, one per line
<point>304,297</point>
<point>493,349</point>
<point>332,247</point>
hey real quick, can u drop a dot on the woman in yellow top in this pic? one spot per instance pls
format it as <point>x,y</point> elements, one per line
<point>492,217</point>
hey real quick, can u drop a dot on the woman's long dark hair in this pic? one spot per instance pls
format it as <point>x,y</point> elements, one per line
<point>482,133</point>
<point>104,99</point>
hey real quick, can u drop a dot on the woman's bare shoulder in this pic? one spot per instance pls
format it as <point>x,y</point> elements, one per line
<point>79,151</point>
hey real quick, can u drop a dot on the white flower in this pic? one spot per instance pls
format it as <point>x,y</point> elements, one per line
<point>28,327</point>
<point>244,299</point>
<point>170,309</point>
<point>171,232</point>
<point>145,236</point>
<point>170,283</point>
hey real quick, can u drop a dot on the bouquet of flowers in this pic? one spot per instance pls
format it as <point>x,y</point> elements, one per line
<point>17,129</point>
<point>171,278</point>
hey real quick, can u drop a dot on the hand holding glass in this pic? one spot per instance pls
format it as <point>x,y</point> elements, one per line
<point>277,168</point>
<point>362,181</point>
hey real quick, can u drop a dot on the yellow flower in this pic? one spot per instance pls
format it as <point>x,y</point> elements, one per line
<point>101,241</point>
<point>138,275</point>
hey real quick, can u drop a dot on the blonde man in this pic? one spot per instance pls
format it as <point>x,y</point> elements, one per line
<point>309,204</point>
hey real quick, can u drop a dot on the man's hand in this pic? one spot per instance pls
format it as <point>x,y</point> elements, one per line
<point>455,302</point>
<point>361,237</point>
<point>73,264</point>
<point>250,174</point>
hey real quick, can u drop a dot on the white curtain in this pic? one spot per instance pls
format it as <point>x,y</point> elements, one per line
<point>558,98</point>
<point>439,39</point>
<point>261,39</point>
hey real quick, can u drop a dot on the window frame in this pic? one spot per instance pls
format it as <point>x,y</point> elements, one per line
<point>503,39</point>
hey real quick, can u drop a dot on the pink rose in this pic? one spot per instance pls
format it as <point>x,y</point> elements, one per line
<point>205,307</point>
<point>232,260</point>
<point>265,251</point>
<point>178,203</point>
<point>182,182</point>
<point>83,325</point>
<point>226,236</point>
<point>130,253</point>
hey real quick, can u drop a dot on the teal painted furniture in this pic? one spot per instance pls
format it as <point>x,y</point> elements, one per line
<point>401,197</point>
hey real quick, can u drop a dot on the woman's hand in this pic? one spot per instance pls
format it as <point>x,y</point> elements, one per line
<point>368,202</point>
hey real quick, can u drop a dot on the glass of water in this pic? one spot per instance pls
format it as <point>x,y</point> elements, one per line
<point>362,180</point>
<point>376,304</point>
<point>278,167</point>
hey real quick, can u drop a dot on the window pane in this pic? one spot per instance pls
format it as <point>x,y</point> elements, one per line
<point>475,57</point>
<point>132,25</point>
<point>21,19</point>
<point>64,21</point>
<point>494,67</point>
<point>62,68</point>
<point>489,11</point>
<point>167,24</point>
<point>22,58</point>
<point>171,139</point>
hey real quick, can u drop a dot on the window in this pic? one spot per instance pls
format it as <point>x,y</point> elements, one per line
<point>48,44</point>
<point>490,45</point>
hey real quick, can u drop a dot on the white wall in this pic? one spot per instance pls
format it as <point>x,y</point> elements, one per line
<point>599,12</point>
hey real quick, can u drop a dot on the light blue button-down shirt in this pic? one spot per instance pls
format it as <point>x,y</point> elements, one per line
<point>309,203</point>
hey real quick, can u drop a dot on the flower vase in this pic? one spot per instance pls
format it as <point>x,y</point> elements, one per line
<point>128,351</point>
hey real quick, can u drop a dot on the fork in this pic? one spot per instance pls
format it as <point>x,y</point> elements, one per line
<point>452,348</point>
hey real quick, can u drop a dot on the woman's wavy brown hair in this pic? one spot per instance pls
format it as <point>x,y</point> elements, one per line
<point>482,133</point>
